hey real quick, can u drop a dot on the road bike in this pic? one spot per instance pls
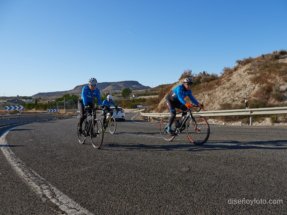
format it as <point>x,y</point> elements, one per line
<point>197,128</point>
<point>91,127</point>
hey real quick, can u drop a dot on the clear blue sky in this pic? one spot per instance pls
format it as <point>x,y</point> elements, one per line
<point>54,45</point>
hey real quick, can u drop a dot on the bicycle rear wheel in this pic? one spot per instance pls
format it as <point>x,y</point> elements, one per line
<point>112,125</point>
<point>162,127</point>
<point>97,134</point>
<point>82,136</point>
<point>198,130</point>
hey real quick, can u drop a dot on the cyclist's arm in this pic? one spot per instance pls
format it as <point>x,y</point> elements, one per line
<point>98,96</point>
<point>193,99</point>
<point>105,103</point>
<point>84,96</point>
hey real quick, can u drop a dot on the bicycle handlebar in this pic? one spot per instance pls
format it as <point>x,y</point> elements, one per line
<point>90,110</point>
<point>199,108</point>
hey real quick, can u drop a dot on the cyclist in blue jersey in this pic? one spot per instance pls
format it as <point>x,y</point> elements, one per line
<point>88,95</point>
<point>176,99</point>
<point>107,103</point>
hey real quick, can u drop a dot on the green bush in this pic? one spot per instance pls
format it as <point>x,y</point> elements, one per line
<point>131,103</point>
<point>126,92</point>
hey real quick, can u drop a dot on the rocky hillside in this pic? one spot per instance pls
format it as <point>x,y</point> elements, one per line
<point>105,87</point>
<point>261,80</point>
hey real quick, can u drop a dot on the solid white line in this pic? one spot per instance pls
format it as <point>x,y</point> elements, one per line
<point>39,185</point>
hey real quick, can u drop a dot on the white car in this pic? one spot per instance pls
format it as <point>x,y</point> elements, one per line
<point>119,114</point>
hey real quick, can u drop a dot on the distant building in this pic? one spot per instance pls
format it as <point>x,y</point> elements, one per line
<point>2,101</point>
<point>28,101</point>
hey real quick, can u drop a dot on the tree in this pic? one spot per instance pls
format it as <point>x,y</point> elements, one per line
<point>68,97</point>
<point>126,92</point>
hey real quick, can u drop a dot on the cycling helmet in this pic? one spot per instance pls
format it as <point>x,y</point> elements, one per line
<point>109,97</point>
<point>93,81</point>
<point>188,80</point>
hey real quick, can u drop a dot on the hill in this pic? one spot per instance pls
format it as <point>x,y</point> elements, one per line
<point>105,87</point>
<point>261,80</point>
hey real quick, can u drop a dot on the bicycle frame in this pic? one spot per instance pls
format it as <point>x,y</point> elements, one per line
<point>183,123</point>
<point>93,128</point>
<point>90,118</point>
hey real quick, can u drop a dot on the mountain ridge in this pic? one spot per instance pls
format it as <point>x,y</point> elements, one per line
<point>105,87</point>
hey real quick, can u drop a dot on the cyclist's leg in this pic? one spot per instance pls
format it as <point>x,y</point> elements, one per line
<point>105,115</point>
<point>171,107</point>
<point>82,114</point>
<point>111,112</point>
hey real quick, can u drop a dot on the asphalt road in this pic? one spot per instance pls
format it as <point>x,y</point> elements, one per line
<point>136,172</point>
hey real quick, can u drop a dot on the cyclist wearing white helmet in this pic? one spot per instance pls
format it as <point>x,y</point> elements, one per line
<point>176,99</point>
<point>107,103</point>
<point>88,95</point>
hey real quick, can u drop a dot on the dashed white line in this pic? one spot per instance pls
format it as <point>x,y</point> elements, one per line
<point>39,185</point>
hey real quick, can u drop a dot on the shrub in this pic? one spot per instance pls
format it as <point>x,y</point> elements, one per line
<point>277,54</point>
<point>277,95</point>
<point>283,52</point>
<point>126,92</point>
<point>227,71</point>
<point>185,74</point>
<point>244,61</point>
<point>255,103</point>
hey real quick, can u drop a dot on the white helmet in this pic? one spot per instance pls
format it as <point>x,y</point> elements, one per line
<point>93,81</point>
<point>109,97</point>
<point>188,80</point>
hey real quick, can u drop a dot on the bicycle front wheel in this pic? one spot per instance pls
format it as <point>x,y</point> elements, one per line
<point>82,136</point>
<point>198,130</point>
<point>112,125</point>
<point>97,134</point>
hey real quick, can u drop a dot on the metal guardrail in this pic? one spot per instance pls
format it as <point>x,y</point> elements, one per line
<point>236,112</point>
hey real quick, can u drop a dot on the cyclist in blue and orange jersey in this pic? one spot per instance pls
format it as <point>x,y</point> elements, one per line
<point>176,99</point>
<point>89,93</point>
<point>107,103</point>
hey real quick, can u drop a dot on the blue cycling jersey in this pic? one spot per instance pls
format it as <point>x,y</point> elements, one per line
<point>107,103</point>
<point>179,92</point>
<point>88,96</point>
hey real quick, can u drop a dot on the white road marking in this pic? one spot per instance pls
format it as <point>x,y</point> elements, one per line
<point>39,185</point>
